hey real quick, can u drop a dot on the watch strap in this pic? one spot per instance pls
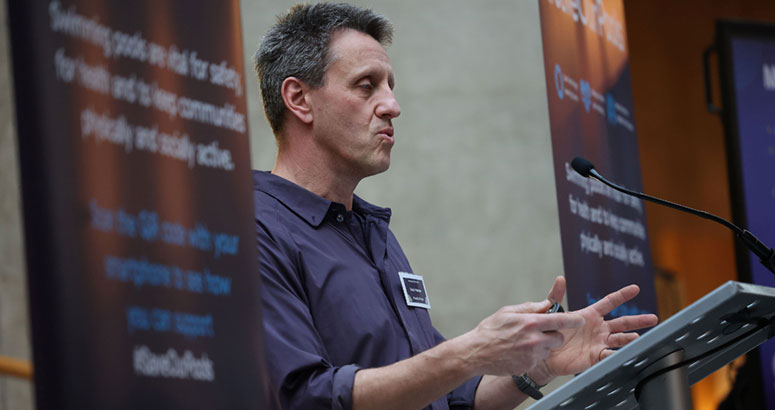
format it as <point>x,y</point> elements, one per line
<point>528,386</point>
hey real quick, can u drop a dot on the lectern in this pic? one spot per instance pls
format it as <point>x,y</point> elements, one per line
<point>655,371</point>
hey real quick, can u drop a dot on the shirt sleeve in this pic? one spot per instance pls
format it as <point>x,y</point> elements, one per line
<point>300,371</point>
<point>463,397</point>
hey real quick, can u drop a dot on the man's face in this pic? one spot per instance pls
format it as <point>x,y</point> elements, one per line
<point>353,110</point>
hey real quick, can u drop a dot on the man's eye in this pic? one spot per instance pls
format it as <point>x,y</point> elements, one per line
<point>366,85</point>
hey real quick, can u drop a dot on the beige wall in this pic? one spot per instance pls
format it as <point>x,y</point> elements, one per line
<point>471,183</point>
<point>15,394</point>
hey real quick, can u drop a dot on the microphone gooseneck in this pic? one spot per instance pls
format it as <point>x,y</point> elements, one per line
<point>766,255</point>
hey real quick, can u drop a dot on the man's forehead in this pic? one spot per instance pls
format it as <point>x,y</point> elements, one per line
<point>355,43</point>
<point>353,49</point>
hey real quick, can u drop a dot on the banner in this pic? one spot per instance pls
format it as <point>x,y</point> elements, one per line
<point>604,239</point>
<point>140,237</point>
<point>747,52</point>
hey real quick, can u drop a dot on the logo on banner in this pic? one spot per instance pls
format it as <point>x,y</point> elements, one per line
<point>586,94</point>
<point>559,82</point>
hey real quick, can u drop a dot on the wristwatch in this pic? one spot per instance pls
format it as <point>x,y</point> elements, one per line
<point>528,386</point>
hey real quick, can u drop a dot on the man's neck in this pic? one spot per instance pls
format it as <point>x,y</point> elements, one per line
<point>312,175</point>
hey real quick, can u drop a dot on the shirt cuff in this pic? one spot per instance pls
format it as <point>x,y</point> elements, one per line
<point>464,396</point>
<point>344,378</point>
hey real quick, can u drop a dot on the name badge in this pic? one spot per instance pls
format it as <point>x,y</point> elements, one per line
<point>414,290</point>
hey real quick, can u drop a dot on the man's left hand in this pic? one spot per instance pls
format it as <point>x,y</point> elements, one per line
<point>596,340</point>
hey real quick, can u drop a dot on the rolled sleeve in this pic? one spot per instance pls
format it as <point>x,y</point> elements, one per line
<point>463,397</point>
<point>344,379</point>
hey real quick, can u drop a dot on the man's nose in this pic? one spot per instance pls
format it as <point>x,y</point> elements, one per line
<point>388,107</point>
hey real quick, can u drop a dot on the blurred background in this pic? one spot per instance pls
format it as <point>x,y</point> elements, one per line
<point>471,182</point>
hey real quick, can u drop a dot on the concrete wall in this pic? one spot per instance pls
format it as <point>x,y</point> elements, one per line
<point>15,394</point>
<point>471,183</point>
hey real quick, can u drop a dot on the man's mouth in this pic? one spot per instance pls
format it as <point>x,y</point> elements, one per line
<point>386,133</point>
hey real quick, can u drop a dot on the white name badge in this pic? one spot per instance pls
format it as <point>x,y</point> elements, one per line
<point>414,290</point>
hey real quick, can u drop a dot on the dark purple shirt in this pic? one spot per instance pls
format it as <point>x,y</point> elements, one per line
<point>332,299</point>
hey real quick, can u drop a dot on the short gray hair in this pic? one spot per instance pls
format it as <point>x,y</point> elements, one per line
<point>298,46</point>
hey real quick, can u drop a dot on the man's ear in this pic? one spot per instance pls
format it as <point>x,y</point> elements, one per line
<point>294,93</point>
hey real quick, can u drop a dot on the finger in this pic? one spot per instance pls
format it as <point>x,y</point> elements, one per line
<point>528,307</point>
<point>614,299</point>
<point>558,290</point>
<point>605,353</point>
<point>559,321</point>
<point>620,339</point>
<point>630,323</point>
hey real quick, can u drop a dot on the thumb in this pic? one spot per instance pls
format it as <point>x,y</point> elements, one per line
<point>558,290</point>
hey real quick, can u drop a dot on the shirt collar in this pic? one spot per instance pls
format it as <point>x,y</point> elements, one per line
<point>308,205</point>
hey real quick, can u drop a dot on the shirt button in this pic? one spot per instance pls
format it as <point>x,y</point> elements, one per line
<point>340,218</point>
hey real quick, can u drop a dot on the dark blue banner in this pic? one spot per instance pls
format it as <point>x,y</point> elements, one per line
<point>141,246</point>
<point>753,67</point>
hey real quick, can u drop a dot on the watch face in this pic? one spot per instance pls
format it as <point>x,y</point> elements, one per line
<point>556,308</point>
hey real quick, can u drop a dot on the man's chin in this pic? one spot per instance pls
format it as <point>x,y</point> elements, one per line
<point>378,168</point>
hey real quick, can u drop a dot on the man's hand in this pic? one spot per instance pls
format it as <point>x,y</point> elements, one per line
<point>587,345</point>
<point>516,338</point>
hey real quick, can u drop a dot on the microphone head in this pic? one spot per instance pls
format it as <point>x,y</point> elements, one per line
<point>582,166</point>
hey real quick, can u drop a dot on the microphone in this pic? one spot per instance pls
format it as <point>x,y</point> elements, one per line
<point>765,254</point>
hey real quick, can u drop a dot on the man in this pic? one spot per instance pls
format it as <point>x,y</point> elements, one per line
<point>342,330</point>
